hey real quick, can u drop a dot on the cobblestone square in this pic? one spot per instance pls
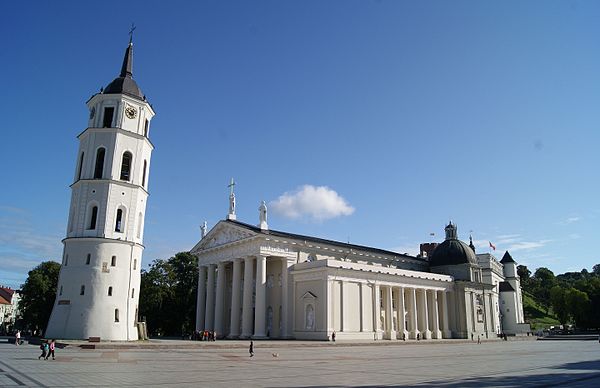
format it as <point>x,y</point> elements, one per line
<point>302,364</point>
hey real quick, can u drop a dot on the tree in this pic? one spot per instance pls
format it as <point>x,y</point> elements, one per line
<point>559,304</point>
<point>578,303</point>
<point>524,273</point>
<point>544,280</point>
<point>596,269</point>
<point>168,295</point>
<point>38,294</point>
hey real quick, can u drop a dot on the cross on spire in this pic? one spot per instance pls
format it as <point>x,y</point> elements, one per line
<point>131,33</point>
<point>231,186</point>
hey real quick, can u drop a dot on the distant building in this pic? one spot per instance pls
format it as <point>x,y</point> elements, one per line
<point>9,308</point>
<point>260,283</point>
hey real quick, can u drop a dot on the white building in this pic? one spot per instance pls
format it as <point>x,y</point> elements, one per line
<point>99,280</point>
<point>257,283</point>
<point>9,308</point>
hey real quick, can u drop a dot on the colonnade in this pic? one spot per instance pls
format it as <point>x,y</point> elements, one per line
<point>248,303</point>
<point>399,312</point>
<point>419,312</point>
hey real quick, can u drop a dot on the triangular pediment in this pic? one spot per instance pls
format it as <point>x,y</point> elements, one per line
<point>222,234</point>
<point>308,295</point>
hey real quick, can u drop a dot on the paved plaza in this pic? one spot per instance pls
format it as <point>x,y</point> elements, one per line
<point>278,364</point>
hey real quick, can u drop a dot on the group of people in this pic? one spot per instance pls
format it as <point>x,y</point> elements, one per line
<point>204,335</point>
<point>47,349</point>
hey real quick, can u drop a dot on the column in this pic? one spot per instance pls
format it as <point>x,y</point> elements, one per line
<point>403,331</point>
<point>285,300</point>
<point>342,309</point>
<point>376,311</point>
<point>390,333</point>
<point>201,299</point>
<point>414,322</point>
<point>361,306</point>
<point>234,324</point>
<point>426,325</point>
<point>261,297</point>
<point>210,298</point>
<point>446,328</point>
<point>219,328</point>
<point>492,314</point>
<point>247,316</point>
<point>436,316</point>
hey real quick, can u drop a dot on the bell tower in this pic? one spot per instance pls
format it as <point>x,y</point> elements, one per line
<point>99,281</point>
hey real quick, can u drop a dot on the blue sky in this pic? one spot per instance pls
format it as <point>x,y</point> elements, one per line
<point>373,122</point>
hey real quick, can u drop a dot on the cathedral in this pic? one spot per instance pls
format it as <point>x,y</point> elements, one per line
<point>255,282</point>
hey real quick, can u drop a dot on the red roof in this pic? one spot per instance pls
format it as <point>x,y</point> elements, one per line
<point>3,301</point>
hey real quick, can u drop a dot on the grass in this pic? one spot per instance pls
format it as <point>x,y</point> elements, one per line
<point>536,314</point>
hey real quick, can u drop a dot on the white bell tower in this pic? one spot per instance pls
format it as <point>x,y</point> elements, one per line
<point>99,281</point>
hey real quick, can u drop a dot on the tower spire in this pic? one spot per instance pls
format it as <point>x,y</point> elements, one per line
<point>127,67</point>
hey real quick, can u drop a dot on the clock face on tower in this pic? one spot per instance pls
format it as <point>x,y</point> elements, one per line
<point>130,112</point>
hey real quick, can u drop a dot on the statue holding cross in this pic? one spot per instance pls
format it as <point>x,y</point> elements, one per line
<point>231,215</point>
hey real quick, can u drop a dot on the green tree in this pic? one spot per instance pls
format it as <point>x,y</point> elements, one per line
<point>558,301</point>
<point>524,274</point>
<point>578,303</point>
<point>168,295</point>
<point>544,281</point>
<point>38,294</point>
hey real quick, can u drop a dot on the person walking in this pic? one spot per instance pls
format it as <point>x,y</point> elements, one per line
<point>251,350</point>
<point>333,336</point>
<point>17,337</point>
<point>51,351</point>
<point>44,348</point>
<point>478,339</point>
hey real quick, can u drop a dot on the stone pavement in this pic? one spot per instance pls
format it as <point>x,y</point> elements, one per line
<point>290,364</point>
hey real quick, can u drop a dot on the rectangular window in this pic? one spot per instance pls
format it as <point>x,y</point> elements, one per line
<point>146,124</point>
<point>109,291</point>
<point>134,264</point>
<point>82,290</point>
<point>132,293</point>
<point>108,117</point>
<point>88,259</point>
<point>113,261</point>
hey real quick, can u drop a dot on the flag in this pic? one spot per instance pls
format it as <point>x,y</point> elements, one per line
<point>492,245</point>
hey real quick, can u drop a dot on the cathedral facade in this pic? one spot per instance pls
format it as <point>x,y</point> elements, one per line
<point>260,283</point>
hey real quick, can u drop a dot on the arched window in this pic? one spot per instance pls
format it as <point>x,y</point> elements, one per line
<point>126,166</point>
<point>144,174</point>
<point>119,221</point>
<point>146,125</point>
<point>93,218</point>
<point>134,264</point>
<point>116,315</point>
<point>110,291</point>
<point>139,225</point>
<point>132,293</point>
<point>88,259</point>
<point>80,167</point>
<point>60,292</point>
<point>99,170</point>
<point>82,290</point>
<point>310,317</point>
<point>113,261</point>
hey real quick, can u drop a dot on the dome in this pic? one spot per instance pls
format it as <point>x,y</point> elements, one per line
<point>452,252</point>
<point>124,83</point>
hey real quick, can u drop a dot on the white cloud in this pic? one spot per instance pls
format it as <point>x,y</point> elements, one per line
<point>317,203</point>
<point>527,245</point>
